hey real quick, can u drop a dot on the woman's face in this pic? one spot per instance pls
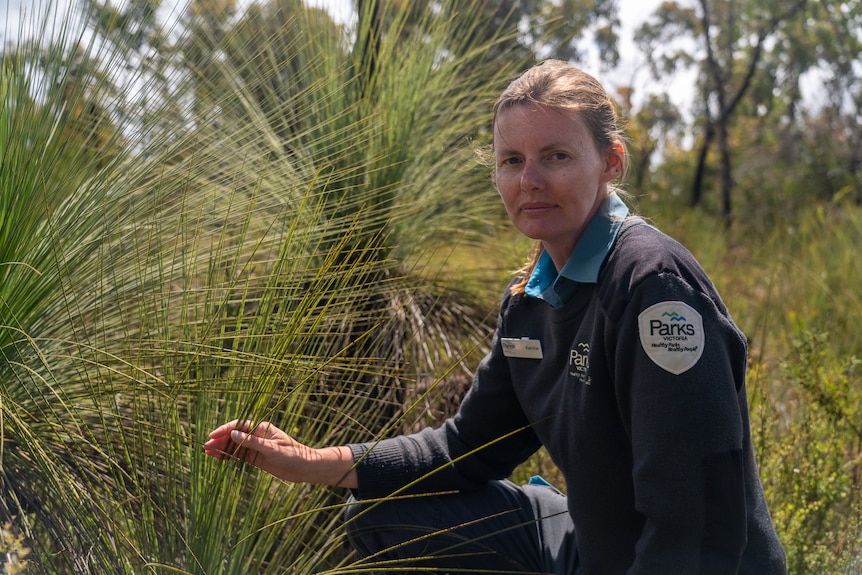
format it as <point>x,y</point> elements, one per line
<point>550,174</point>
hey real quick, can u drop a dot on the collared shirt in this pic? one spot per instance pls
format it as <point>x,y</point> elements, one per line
<point>586,260</point>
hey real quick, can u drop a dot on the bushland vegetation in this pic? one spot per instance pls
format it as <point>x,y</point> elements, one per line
<point>215,213</point>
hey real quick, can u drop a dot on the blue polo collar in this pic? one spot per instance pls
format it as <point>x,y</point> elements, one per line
<point>584,264</point>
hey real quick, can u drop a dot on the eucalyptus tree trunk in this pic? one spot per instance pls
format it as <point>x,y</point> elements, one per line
<point>721,41</point>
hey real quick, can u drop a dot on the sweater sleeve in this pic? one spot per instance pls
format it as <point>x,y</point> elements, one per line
<point>679,367</point>
<point>486,439</point>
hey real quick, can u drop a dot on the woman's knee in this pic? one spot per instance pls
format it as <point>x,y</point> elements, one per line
<point>494,521</point>
<point>375,527</point>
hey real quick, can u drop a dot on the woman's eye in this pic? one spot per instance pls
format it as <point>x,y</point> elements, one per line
<point>510,161</point>
<point>559,156</point>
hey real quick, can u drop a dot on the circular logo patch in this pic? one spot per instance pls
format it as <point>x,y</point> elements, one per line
<point>672,335</point>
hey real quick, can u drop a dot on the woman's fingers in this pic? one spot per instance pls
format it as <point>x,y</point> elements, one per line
<point>225,439</point>
<point>225,429</point>
<point>220,445</point>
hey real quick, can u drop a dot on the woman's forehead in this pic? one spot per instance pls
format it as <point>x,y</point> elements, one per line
<point>536,120</point>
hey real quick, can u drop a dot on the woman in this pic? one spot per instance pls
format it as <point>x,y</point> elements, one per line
<point>613,351</point>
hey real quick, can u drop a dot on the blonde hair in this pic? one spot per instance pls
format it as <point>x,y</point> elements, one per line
<point>557,84</point>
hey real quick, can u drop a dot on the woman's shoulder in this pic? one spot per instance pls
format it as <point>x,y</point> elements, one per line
<point>642,245</point>
<point>642,252</point>
<point>514,297</point>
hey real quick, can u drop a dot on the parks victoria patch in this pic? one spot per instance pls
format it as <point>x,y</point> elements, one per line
<point>671,334</point>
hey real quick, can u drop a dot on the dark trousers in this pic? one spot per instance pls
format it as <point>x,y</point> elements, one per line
<point>500,528</point>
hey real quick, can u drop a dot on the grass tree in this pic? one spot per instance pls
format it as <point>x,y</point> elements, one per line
<point>227,249</point>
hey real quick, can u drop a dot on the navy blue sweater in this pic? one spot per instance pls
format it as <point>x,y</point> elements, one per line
<point>638,397</point>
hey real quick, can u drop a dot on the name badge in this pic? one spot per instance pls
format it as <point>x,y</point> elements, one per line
<point>524,347</point>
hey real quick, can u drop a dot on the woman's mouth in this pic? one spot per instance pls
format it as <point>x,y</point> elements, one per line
<point>536,207</point>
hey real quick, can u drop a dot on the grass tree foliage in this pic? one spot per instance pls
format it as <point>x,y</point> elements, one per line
<point>229,249</point>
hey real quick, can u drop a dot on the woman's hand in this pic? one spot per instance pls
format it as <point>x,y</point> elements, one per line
<point>269,448</point>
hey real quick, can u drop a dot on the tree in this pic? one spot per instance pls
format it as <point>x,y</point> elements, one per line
<point>657,125</point>
<point>826,139</point>
<point>134,41</point>
<point>524,29</point>
<point>560,28</point>
<point>730,37</point>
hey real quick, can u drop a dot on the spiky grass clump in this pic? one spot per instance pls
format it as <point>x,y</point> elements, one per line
<point>183,244</point>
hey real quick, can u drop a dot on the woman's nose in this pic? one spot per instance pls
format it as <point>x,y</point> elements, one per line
<point>531,176</point>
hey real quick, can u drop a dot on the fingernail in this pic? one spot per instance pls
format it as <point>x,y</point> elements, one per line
<point>236,435</point>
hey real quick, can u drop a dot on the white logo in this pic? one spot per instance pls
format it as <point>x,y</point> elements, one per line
<point>579,362</point>
<point>672,335</point>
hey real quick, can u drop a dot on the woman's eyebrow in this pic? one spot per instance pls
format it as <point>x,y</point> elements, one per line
<point>505,151</point>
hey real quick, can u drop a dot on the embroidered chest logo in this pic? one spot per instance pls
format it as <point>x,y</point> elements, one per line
<point>579,362</point>
<point>671,334</point>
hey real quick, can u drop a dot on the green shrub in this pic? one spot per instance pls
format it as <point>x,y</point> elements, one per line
<point>809,437</point>
<point>13,548</point>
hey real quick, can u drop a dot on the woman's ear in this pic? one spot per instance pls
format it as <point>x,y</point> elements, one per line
<point>615,161</point>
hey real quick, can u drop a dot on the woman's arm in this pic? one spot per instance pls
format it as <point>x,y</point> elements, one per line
<point>272,450</point>
<point>680,370</point>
